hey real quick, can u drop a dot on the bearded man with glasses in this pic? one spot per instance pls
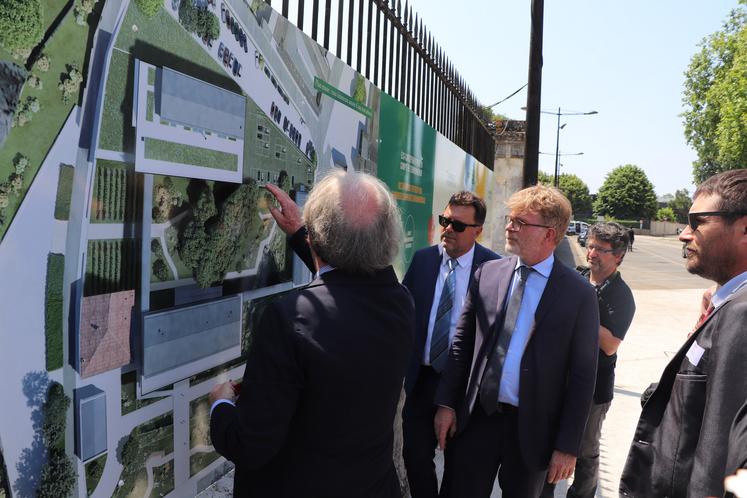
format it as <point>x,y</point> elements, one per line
<point>518,383</point>
<point>681,443</point>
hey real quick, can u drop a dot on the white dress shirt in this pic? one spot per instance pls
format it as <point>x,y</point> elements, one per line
<point>533,289</point>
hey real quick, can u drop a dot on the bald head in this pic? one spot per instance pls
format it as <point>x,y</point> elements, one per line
<point>353,222</point>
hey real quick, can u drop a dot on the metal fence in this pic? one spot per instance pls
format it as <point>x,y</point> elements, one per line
<point>392,48</point>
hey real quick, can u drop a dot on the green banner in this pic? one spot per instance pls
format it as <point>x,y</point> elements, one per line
<point>342,97</point>
<point>407,147</point>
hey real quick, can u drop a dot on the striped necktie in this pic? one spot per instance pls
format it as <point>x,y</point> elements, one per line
<point>442,325</point>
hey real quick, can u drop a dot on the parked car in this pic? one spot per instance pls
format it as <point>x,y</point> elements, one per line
<point>582,237</point>
<point>571,228</point>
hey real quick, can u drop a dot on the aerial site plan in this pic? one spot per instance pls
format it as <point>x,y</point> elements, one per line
<point>137,249</point>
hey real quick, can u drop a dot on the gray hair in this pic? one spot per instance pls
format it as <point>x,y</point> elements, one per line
<point>614,234</point>
<point>353,222</point>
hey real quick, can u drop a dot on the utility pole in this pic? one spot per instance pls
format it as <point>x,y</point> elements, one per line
<point>534,95</point>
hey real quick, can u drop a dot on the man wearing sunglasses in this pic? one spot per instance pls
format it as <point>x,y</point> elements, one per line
<point>605,250</point>
<point>680,445</point>
<point>438,278</point>
<point>519,380</point>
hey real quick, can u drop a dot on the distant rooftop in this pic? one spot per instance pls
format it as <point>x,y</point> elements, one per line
<point>189,101</point>
<point>105,332</point>
<point>509,130</point>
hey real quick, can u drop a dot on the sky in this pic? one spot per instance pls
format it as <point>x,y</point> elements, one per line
<point>625,60</point>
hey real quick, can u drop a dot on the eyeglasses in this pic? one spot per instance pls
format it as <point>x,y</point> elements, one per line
<point>518,223</point>
<point>458,226</point>
<point>594,247</point>
<point>694,220</point>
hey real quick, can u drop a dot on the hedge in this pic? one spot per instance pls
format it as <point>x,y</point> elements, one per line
<point>53,310</point>
<point>64,192</point>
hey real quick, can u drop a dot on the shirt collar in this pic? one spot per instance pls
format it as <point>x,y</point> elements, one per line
<point>324,269</point>
<point>465,260</point>
<point>544,267</point>
<point>729,288</point>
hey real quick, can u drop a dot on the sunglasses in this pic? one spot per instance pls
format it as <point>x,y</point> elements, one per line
<point>458,226</point>
<point>694,220</point>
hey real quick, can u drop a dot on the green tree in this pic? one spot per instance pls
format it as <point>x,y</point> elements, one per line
<point>681,205</point>
<point>574,189</point>
<point>20,24</point>
<point>626,194</point>
<point>200,21</point>
<point>359,95</point>
<point>714,99</point>
<point>57,475</point>
<point>151,7</point>
<point>544,178</point>
<point>55,417</point>
<point>42,63</point>
<point>160,270</point>
<point>665,214</point>
<point>577,192</point>
<point>83,9</point>
<point>70,82</point>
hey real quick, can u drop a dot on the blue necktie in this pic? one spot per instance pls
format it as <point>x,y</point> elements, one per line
<point>491,380</point>
<point>442,325</point>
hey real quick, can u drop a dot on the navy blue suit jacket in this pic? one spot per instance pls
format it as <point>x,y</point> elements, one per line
<point>420,280</point>
<point>558,368</point>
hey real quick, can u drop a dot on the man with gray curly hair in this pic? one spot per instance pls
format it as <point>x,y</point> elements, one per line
<point>353,223</point>
<point>324,373</point>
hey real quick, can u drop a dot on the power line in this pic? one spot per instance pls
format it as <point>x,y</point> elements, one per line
<point>501,101</point>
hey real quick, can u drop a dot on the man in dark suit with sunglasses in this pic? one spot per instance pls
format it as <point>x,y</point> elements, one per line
<point>681,442</point>
<point>439,293</point>
<point>427,277</point>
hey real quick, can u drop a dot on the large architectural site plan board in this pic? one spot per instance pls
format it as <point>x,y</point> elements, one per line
<point>138,251</point>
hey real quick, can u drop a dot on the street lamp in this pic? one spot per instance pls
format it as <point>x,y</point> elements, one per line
<point>556,180</point>
<point>557,135</point>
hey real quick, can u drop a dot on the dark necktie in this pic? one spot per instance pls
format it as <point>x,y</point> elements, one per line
<point>491,380</point>
<point>442,325</point>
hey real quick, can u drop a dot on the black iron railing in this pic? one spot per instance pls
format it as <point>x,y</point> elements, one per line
<point>403,59</point>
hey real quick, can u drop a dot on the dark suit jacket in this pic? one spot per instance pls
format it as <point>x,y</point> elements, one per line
<point>420,280</point>
<point>680,444</point>
<point>558,368</point>
<point>320,390</point>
